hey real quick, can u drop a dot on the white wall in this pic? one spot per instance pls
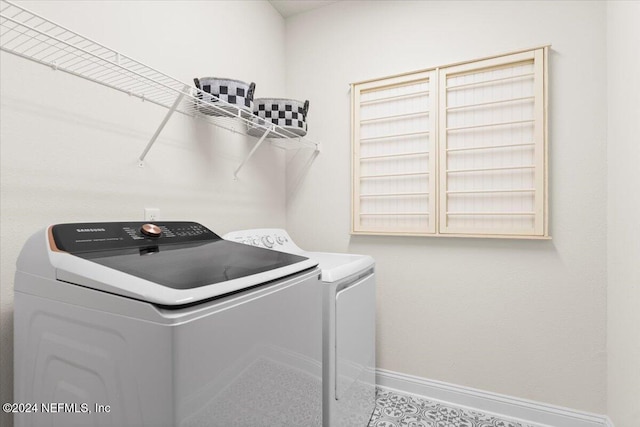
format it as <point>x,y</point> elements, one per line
<point>623,244</point>
<point>523,318</point>
<point>69,147</point>
<point>516,317</point>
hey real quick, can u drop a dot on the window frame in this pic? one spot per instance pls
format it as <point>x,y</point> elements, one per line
<point>438,181</point>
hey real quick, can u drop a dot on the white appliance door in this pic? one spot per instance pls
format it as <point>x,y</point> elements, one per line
<point>355,338</point>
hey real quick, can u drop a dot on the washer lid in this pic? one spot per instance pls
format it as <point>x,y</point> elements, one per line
<point>172,263</point>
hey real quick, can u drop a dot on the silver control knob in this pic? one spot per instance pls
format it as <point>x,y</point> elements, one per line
<point>267,241</point>
<point>256,242</point>
<point>281,240</point>
<point>151,230</point>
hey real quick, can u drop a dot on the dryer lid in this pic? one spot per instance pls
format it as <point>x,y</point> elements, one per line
<point>337,266</point>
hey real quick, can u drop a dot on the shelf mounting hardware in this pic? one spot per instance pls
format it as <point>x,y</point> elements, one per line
<point>33,37</point>
<point>253,150</point>
<point>162,125</point>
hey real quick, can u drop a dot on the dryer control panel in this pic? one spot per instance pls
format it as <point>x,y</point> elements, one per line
<point>270,238</point>
<point>98,236</point>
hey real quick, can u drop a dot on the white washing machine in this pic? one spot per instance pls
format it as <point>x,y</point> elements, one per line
<point>348,283</point>
<point>166,324</point>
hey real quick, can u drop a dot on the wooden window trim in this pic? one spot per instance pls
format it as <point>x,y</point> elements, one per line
<point>438,180</point>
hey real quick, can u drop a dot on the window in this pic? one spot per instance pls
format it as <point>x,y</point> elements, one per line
<point>454,151</point>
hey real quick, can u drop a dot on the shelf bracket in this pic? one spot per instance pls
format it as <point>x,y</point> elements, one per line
<point>253,150</point>
<point>162,125</point>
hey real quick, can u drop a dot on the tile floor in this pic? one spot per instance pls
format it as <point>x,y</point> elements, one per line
<point>400,410</point>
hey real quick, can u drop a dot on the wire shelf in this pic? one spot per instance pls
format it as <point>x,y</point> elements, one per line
<point>33,37</point>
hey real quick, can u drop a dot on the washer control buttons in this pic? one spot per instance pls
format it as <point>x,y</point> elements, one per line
<point>151,230</point>
<point>281,240</point>
<point>189,230</point>
<point>268,241</point>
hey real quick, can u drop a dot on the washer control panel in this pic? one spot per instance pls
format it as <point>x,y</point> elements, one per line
<point>270,238</point>
<point>85,237</point>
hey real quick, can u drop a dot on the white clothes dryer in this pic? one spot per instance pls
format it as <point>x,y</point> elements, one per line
<point>165,325</point>
<point>349,305</point>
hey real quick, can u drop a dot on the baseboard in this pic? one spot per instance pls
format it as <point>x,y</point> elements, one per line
<point>507,406</point>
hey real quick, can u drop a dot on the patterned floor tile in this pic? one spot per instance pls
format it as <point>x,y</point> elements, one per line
<point>399,410</point>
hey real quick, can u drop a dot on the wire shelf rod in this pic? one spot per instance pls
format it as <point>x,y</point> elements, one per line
<point>93,80</point>
<point>18,35</point>
<point>490,169</point>
<point>484,104</point>
<point>73,54</point>
<point>54,25</point>
<point>96,57</point>
<point>395,174</point>
<point>115,78</point>
<point>399,135</point>
<point>90,78</point>
<point>60,61</point>
<point>131,84</point>
<point>98,71</point>
<point>485,125</point>
<point>485,82</point>
<point>48,45</point>
<point>253,150</point>
<point>489,147</point>
<point>385,156</point>
<point>395,97</point>
<point>162,125</point>
<point>78,61</point>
